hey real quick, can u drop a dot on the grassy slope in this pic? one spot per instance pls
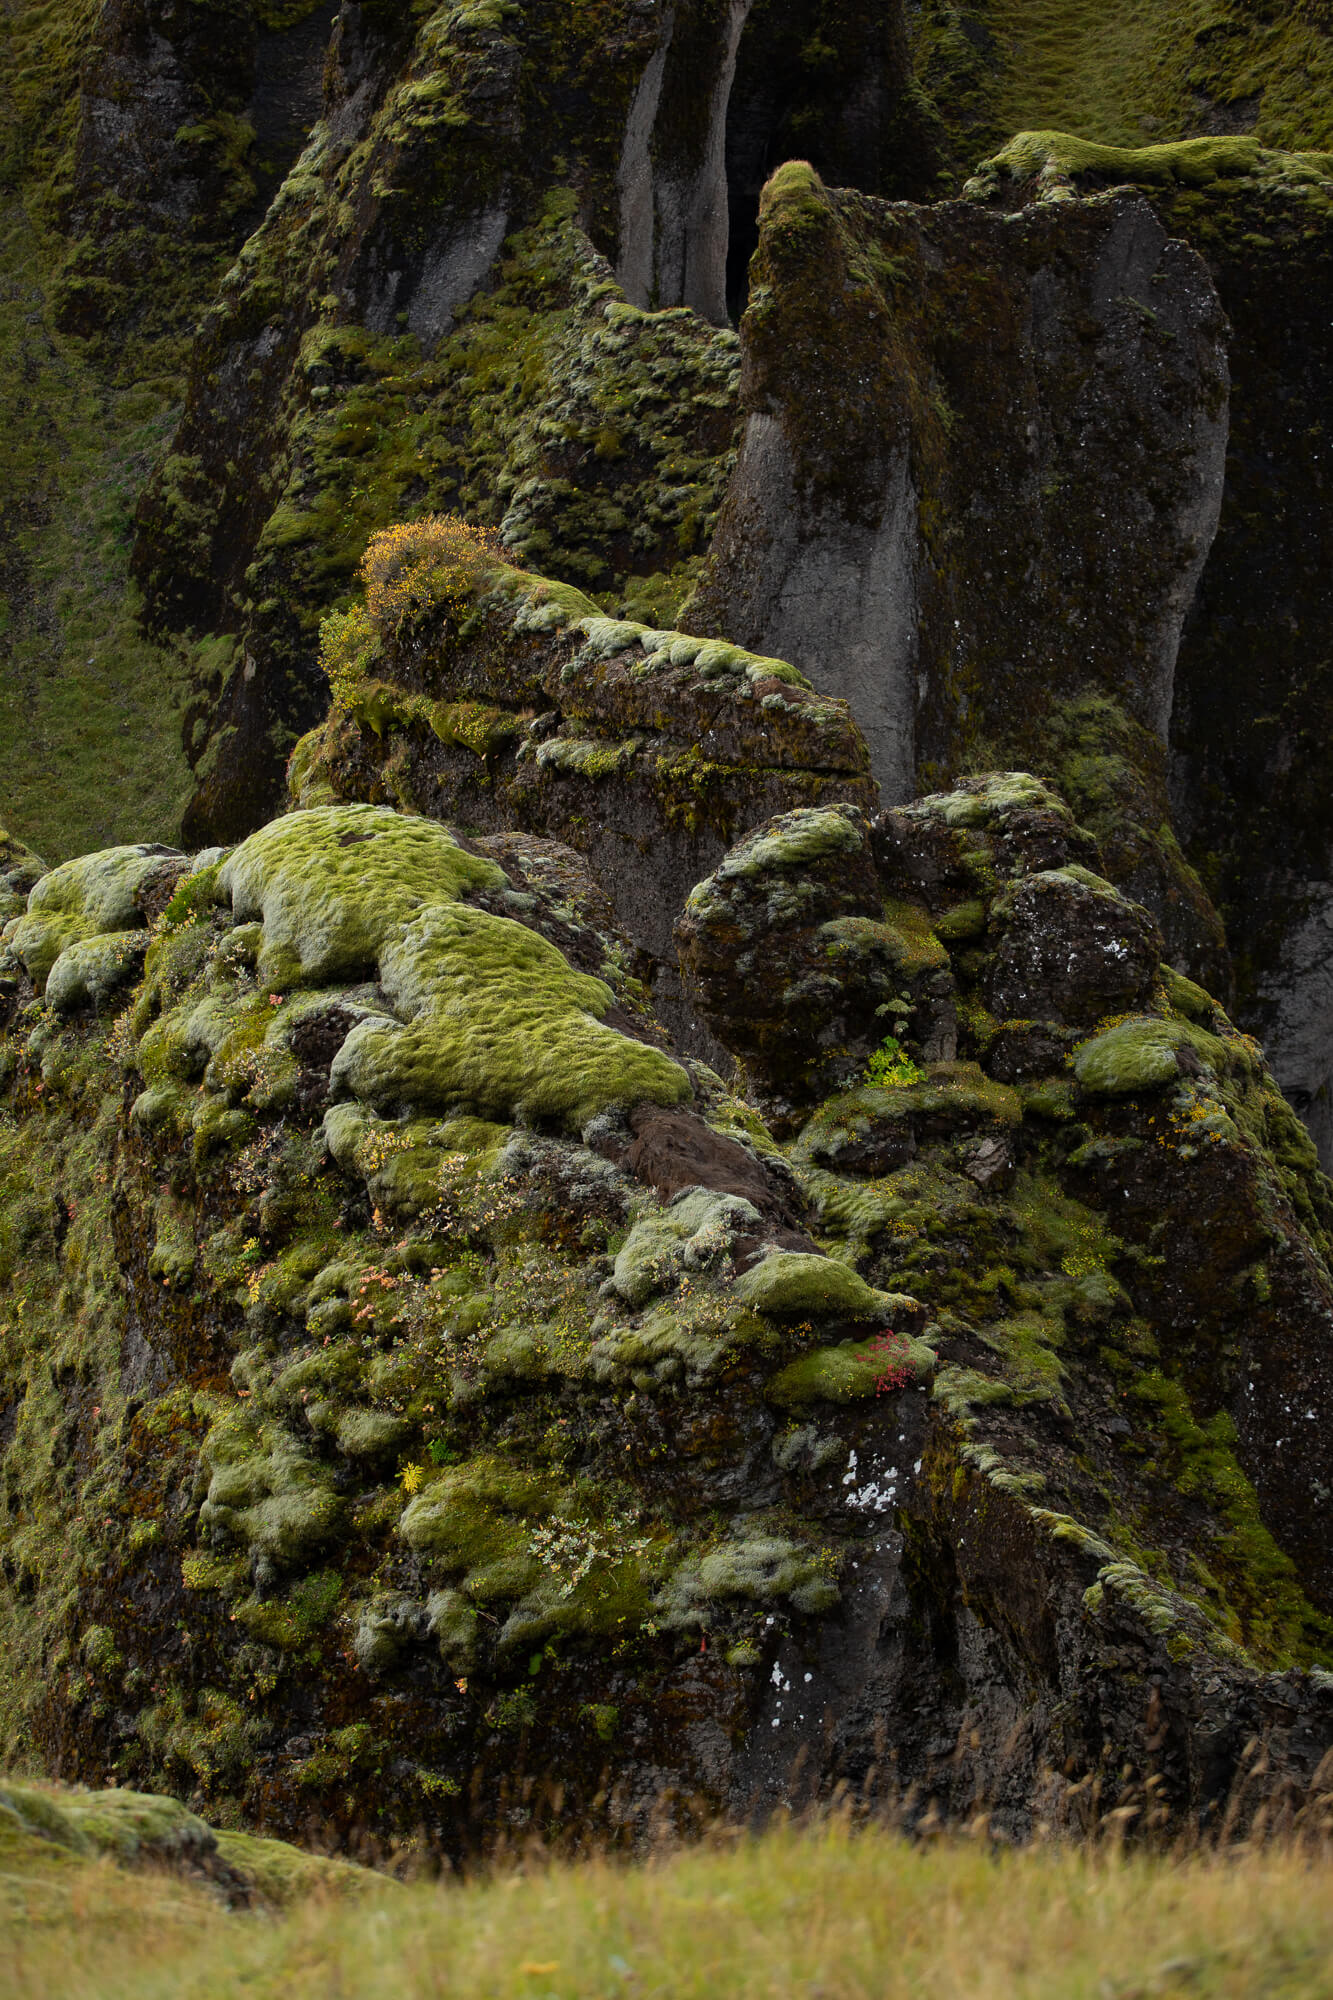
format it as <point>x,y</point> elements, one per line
<point>845,1918</point>
<point>89,710</point>
<point>1084,67</point>
<point>1130,73</point>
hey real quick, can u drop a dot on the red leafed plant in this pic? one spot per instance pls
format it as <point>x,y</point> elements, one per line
<point>895,1370</point>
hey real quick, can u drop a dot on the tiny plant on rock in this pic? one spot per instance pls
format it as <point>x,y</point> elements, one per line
<point>891,1064</point>
<point>894,1369</point>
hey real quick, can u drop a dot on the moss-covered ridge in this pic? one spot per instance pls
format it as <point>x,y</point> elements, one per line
<point>995,67</point>
<point>1058,166</point>
<point>45,1828</point>
<point>496,632</point>
<point>488,696</point>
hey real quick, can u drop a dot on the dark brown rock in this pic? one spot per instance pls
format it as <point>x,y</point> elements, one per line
<point>1068,948</point>
<point>787,955</point>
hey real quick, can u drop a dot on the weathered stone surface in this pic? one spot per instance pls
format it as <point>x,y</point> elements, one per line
<point>983,456</point>
<point>508,700</point>
<point>1250,718</point>
<point>560,1397</point>
<point>1010,428</point>
<point>787,954</point>
<point>472,328</point>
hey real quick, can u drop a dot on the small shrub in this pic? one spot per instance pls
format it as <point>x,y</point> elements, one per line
<point>893,1361</point>
<point>891,1064</point>
<point>417,564</point>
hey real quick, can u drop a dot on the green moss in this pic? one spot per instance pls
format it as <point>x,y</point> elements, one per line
<point>268,1494</point>
<point>173,1256</point>
<point>949,1097</point>
<point>1248,1587</point>
<point>1185,998</point>
<point>696,1231</point>
<point>282,1874</point>
<point>131,1827</point>
<point>923,951</point>
<point>1028,1345</point>
<point>759,1569</point>
<point>91,972</point>
<point>87,898</point>
<point>690,1337</point>
<point>1059,163</point>
<point>498,1020</point>
<point>793,843</point>
<point>1141,1055</point>
<point>789,1284</point>
<point>334,883</point>
<point>984,800</point>
<point>481,729</point>
<point>847,1373</point>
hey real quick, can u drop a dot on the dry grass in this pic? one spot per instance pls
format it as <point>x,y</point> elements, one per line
<point>827,1913</point>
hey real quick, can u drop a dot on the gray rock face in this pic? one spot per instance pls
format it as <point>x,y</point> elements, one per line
<point>841,595</point>
<point>674,216</point>
<point>1296,995</point>
<point>982,465</point>
<point>1251,715</point>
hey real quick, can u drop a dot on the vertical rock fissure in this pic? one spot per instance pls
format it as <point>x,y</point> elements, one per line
<point>672,178</point>
<point>634,179</point>
<point>707,238</point>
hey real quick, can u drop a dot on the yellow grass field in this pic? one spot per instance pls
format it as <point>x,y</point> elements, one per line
<point>826,1914</point>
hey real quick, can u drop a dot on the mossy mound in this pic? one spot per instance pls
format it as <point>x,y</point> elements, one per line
<point>147,1830</point>
<point>367,1450</point>
<point>486,1014</point>
<point>1140,1055</point>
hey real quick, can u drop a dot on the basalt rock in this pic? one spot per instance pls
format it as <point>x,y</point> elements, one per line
<point>1251,701</point>
<point>504,699</point>
<point>788,953</point>
<point>497,278</point>
<point>983,456</point>
<point>936,521</point>
<point>522,1401</point>
<point>187,120</point>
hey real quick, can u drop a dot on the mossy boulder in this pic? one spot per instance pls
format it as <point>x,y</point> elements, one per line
<point>112,894</point>
<point>791,958</point>
<point>1069,947</point>
<point>1143,1055</point>
<point>793,1284</point>
<point>851,1371</point>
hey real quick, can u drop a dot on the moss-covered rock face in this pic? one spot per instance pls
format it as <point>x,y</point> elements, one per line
<point>964,428</point>
<point>1207,74</point>
<point>793,961</point>
<point>497,278</point>
<point>45,1830</point>
<point>414,1377</point>
<point>1251,711</point>
<point>494,697</point>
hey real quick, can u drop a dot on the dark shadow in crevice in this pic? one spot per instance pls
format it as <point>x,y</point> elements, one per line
<point>829,81</point>
<point>288,97</point>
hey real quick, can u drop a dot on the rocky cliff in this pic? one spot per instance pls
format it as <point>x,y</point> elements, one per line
<point>663,1177</point>
<point>420,1379</point>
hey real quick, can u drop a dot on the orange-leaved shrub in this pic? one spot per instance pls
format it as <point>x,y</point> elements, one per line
<point>409,568</point>
<point>406,570</point>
